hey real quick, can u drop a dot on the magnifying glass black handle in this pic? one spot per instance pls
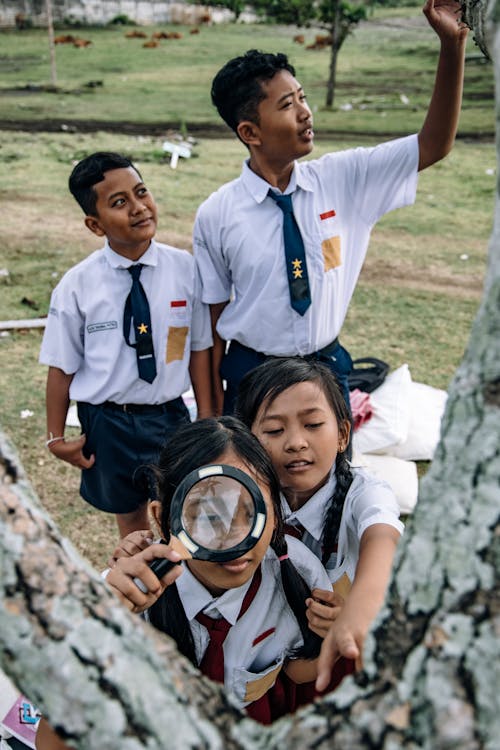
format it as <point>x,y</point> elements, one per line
<point>159,566</point>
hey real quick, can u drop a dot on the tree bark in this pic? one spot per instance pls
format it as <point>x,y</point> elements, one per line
<point>432,666</point>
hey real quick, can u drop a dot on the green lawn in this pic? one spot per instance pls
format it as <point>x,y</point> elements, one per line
<point>422,281</point>
<point>385,75</point>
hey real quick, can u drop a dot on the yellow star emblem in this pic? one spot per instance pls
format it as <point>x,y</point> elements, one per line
<point>297,274</point>
<point>296,264</point>
<point>142,328</point>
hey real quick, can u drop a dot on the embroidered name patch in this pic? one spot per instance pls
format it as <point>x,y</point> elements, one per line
<point>327,215</point>
<point>96,327</point>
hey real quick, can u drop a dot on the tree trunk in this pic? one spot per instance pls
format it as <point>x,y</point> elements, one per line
<point>432,666</point>
<point>336,34</point>
<point>52,46</point>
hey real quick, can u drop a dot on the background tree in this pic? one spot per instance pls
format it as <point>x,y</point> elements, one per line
<point>432,666</point>
<point>337,18</point>
<point>52,46</point>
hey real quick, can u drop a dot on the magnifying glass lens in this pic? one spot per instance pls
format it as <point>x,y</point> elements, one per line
<point>218,512</point>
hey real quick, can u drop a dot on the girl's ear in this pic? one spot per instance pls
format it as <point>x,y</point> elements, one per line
<point>344,432</point>
<point>249,133</point>
<point>155,513</point>
<point>92,223</point>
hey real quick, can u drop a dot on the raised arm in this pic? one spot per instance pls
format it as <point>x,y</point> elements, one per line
<point>437,134</point>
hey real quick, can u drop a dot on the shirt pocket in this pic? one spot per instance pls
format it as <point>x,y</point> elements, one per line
<point>250,686</point>
<point>176,343</point>
<point>342,585</point>
<point>331,253</point>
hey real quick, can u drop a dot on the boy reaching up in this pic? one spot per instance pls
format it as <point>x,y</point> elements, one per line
<point>126,332</point>
<point>280,248</point>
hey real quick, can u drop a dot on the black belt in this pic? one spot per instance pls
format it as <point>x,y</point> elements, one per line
<point>328,349</point>
<point>137,408</point>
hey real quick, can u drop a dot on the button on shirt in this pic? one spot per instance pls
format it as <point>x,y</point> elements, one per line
<point>238,243</point>
<point>84,333</point>
<point>369,501</point>
<point>267,631</point>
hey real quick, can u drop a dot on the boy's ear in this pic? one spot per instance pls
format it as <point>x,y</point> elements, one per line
<point>92,223</point>
<point>249,133</point>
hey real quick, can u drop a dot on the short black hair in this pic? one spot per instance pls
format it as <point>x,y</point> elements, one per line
<point>90,171</point>
<point>237,90</point>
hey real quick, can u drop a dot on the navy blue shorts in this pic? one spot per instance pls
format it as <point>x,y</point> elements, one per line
<point>125,445</point>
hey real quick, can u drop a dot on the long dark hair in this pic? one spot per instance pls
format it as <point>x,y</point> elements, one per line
<point>199,444</point>
<point>265,383</point>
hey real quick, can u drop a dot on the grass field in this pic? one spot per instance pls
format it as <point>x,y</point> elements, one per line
<point>421,284</point>
<point>385,74</point>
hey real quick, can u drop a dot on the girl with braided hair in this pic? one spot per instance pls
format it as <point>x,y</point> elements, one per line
<point>347,517</point>
<point>260,597</point>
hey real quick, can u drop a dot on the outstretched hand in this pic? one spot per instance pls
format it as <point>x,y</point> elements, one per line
<point>71,451</point>
<point>341,640</point>
<point>445,18</point>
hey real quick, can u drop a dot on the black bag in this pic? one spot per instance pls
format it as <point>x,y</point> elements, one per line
<point>367,374</point>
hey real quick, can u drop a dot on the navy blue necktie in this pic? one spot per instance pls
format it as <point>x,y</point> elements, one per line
<point>137,313</point>
<point>295,255</point>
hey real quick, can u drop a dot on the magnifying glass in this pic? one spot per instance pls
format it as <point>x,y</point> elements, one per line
<point>217,514</point>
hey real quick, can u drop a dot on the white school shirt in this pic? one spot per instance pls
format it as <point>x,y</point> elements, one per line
<point>239,249</point>
<point>369,501</point>
<point>84,333</point>
<point>257,643</point>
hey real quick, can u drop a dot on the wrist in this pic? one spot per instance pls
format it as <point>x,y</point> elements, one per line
<point>53,439</point>
<point>453,45</point>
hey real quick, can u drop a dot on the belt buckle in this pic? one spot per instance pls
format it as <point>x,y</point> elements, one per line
<point>125,408</point>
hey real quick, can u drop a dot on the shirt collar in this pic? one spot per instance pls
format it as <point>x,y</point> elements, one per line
<point>259,188</point>
<point>196,598</point>
<point>312,514</point>
<point>115,260</point>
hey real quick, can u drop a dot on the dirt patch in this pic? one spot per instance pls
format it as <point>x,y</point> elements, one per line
<point>201,129</point>
<point>430,279</point>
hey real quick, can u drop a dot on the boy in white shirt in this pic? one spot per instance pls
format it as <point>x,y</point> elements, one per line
<point>126,332</point>
<point>240,236</point>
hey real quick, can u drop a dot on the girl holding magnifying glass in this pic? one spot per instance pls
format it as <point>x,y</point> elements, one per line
<point>257,598</point>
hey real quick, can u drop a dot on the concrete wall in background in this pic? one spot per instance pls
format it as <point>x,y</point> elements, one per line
<point>98,12</point>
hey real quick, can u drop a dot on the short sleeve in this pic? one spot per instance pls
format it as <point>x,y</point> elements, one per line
<point>370,501</point>
<point>201,329</point>
<point>62,344</point>
<point>374,180</point>
<point>214,276</point>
